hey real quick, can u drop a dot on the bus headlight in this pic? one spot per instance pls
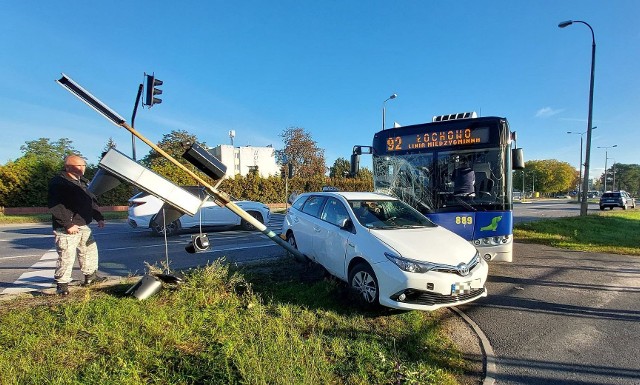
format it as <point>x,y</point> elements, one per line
<point>493,241</point>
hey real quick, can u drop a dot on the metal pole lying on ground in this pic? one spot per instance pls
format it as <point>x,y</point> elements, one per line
<point>220,196</point>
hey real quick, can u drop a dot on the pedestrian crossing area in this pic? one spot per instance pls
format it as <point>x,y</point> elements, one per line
<point>38,277</point>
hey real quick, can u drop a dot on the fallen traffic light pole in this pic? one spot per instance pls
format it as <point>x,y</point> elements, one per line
<point>221,197</point>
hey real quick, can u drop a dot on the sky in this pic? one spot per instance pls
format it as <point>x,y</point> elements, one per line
<point>259,67</point>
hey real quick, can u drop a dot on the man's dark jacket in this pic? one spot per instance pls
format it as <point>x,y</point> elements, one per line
<point>71,203</point>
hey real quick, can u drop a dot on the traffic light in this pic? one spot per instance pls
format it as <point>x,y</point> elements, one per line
<point>204,161</point>
<point>152,91</point>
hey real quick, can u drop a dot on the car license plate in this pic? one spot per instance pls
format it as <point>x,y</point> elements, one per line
<point>460,288</point>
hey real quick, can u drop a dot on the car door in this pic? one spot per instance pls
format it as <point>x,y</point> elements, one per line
<point>214,215</point>
<point>305,223</point>
<point>331,243</point>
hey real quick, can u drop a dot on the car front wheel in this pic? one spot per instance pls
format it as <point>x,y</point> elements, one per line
<point>248,226</point>
<point>172,228</point>
<point>364,284</point>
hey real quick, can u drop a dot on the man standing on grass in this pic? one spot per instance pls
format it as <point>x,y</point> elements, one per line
<point>72,208</point>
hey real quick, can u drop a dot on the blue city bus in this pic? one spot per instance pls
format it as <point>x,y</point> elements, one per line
<point>457,170</point>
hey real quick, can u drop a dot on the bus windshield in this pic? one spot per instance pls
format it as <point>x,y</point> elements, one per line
<point>434,182</point>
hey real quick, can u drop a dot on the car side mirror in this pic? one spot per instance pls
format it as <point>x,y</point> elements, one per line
<point>517,159</point>
<point>346,224</point>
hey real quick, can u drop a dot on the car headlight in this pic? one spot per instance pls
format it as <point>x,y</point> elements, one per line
<point>409,265</point>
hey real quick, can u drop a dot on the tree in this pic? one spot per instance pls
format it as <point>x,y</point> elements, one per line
<point>549,176</point>
<point>627,177</point>
<point>172,144</point>
<point>366,175</point>
<point>340,169</point>
<point>302,152</point>
<point>24,183</point>
<point>110,144</point>
<point>44,148</point>
<point>119,195</point>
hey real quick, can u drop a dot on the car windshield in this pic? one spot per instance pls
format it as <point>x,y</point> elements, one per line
<point>611,195</point>
<point>388,214</point>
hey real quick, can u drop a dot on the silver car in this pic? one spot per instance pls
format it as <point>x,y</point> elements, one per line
<point>144,207</point>
<point>617,199</point>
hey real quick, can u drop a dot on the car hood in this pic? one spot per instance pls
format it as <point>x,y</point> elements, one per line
<point>433,244</point>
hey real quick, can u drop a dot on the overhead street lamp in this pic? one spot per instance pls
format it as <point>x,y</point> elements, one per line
<point>393,96</point>
<point>585,184</point>
<point>606,157</point>
<point>580,164</point>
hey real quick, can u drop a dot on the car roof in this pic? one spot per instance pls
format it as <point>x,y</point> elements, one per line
<point>353,195</point>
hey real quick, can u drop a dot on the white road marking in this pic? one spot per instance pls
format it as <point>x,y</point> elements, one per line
<point>40,279</point>
<point>19,256</point>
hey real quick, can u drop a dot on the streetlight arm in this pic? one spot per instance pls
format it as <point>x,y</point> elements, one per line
<point>393,96</point>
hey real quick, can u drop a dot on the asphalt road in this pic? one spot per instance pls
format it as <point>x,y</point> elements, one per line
<point>27,257</point>
<point>562,317</point>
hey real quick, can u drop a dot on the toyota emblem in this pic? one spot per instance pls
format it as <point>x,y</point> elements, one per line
<point>463,269</point>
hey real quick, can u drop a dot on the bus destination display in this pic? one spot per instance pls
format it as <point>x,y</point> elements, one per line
<point>444,138</point>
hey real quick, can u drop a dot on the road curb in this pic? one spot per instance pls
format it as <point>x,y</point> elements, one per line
<point>487,350</point>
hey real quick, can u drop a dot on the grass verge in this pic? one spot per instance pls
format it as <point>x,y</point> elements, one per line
<point>616,232</point>
<point>222,327</point>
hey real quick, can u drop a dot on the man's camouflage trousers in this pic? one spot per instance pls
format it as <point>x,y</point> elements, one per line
<point>68,247</point>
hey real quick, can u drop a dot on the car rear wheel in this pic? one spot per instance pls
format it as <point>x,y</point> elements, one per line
<point>602,208</point>
<point>364,285</point>
<point>172,228</point>
<point>248,226</point>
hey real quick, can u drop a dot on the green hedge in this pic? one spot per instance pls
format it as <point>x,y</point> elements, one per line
<point>266,190</point>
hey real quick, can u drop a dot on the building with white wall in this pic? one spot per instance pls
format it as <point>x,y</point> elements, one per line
<point>241,160</point>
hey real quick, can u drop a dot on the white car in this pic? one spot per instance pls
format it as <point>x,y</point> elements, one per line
<point>387,252</point>
<point>143,207</point>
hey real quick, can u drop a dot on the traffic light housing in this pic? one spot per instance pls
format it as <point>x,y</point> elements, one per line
<point>152,91</point>
<point>203,160</point>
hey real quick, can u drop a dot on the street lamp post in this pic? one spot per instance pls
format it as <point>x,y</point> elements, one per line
<point>532,174</point>
<point>393,96</point>
<point>580,164</point>
<point>606,157</point>
<point>585,185</point>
